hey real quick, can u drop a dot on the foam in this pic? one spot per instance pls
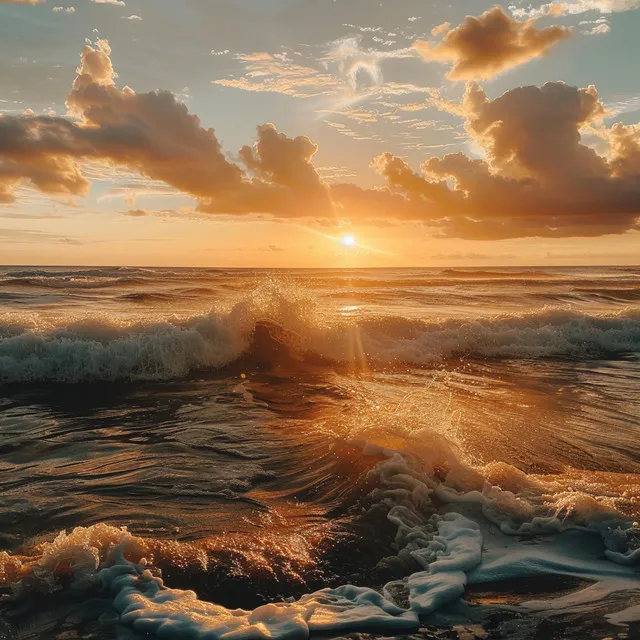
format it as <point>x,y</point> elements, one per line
<point>144,603</point>
<point>448,557</point>
<point>454,546</point>
<point>632,614</point>
<point>439,505</point>
<point>456,524</point>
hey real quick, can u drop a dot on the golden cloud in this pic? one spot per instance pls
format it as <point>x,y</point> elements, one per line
<point>494,42</point>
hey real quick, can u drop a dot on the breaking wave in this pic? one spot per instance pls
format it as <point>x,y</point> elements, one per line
<point>103,349</point>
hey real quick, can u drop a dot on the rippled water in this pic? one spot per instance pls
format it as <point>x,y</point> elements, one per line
<point>423,435</point>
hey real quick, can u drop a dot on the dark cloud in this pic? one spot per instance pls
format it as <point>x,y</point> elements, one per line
<point>41,150</point>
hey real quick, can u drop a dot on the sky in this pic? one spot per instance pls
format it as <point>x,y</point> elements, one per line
<point>319,133</point>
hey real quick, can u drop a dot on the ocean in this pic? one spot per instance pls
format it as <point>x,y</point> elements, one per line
<point>247,454</point>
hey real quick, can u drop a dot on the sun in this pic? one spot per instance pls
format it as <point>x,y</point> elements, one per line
<point>348,240</point>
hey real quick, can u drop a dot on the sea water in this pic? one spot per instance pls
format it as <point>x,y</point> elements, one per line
<point>209,453</point>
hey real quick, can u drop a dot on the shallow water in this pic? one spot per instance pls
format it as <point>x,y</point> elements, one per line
<point>423,435</point>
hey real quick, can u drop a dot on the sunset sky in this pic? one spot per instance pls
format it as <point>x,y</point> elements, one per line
<point>263,132</point>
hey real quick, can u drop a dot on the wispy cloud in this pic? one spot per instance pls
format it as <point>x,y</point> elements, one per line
<point>573,7</point>
<point>277,73</point>
<point>346,73</point>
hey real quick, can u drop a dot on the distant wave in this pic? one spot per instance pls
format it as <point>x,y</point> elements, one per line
<point>147,297</point>
<point>623,294</point>
<point>100,278</point>
<point>104,350</point>
<point>72,273</point>
<point>69,282</point>
<point>520,275</point>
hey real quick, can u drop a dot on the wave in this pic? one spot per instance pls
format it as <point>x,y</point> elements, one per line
<point>613,294</point>
<point>519,275</point>
<point>70,282</point>
<point>144,297</point>
<point>101,278</point>
<point>271,321</point>
<point>73,273</point>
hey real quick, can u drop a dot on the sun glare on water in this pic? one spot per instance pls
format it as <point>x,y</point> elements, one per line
<point>348,240</point>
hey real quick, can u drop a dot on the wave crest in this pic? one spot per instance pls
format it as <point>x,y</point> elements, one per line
<point>103,349</point>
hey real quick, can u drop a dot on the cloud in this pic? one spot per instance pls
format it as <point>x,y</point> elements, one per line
<point>16,236</point>
<point>283,161</point>
<point>483,47</point>
<point>346,72</point>
<point>440,29</point>
<point>40,150</point>
<point>595,27</point>
<point>277,73</point>
<point>537,177</point>
<point>138,213</point>
<point>459,256</point>
<point>358,67</point>
<point>151,133</point>
<point>283,179</point>
<point>574,8</point>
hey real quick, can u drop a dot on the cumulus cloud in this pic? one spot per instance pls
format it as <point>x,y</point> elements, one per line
<point>484,46</point>
<point>42,151</point>
<point>283,161</point>
<point>281,180</point>
<point>537,177</point>
<point>153,134</point>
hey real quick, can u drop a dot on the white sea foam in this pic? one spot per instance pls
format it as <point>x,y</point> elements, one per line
<point>452,548</point>
<point>452,523</point>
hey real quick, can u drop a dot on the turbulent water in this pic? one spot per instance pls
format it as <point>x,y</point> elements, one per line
<point>207,453</point>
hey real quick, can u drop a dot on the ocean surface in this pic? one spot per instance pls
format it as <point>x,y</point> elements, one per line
<point>245,454</point>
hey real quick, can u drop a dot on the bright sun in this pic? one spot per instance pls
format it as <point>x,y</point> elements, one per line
<point>348,240</point>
